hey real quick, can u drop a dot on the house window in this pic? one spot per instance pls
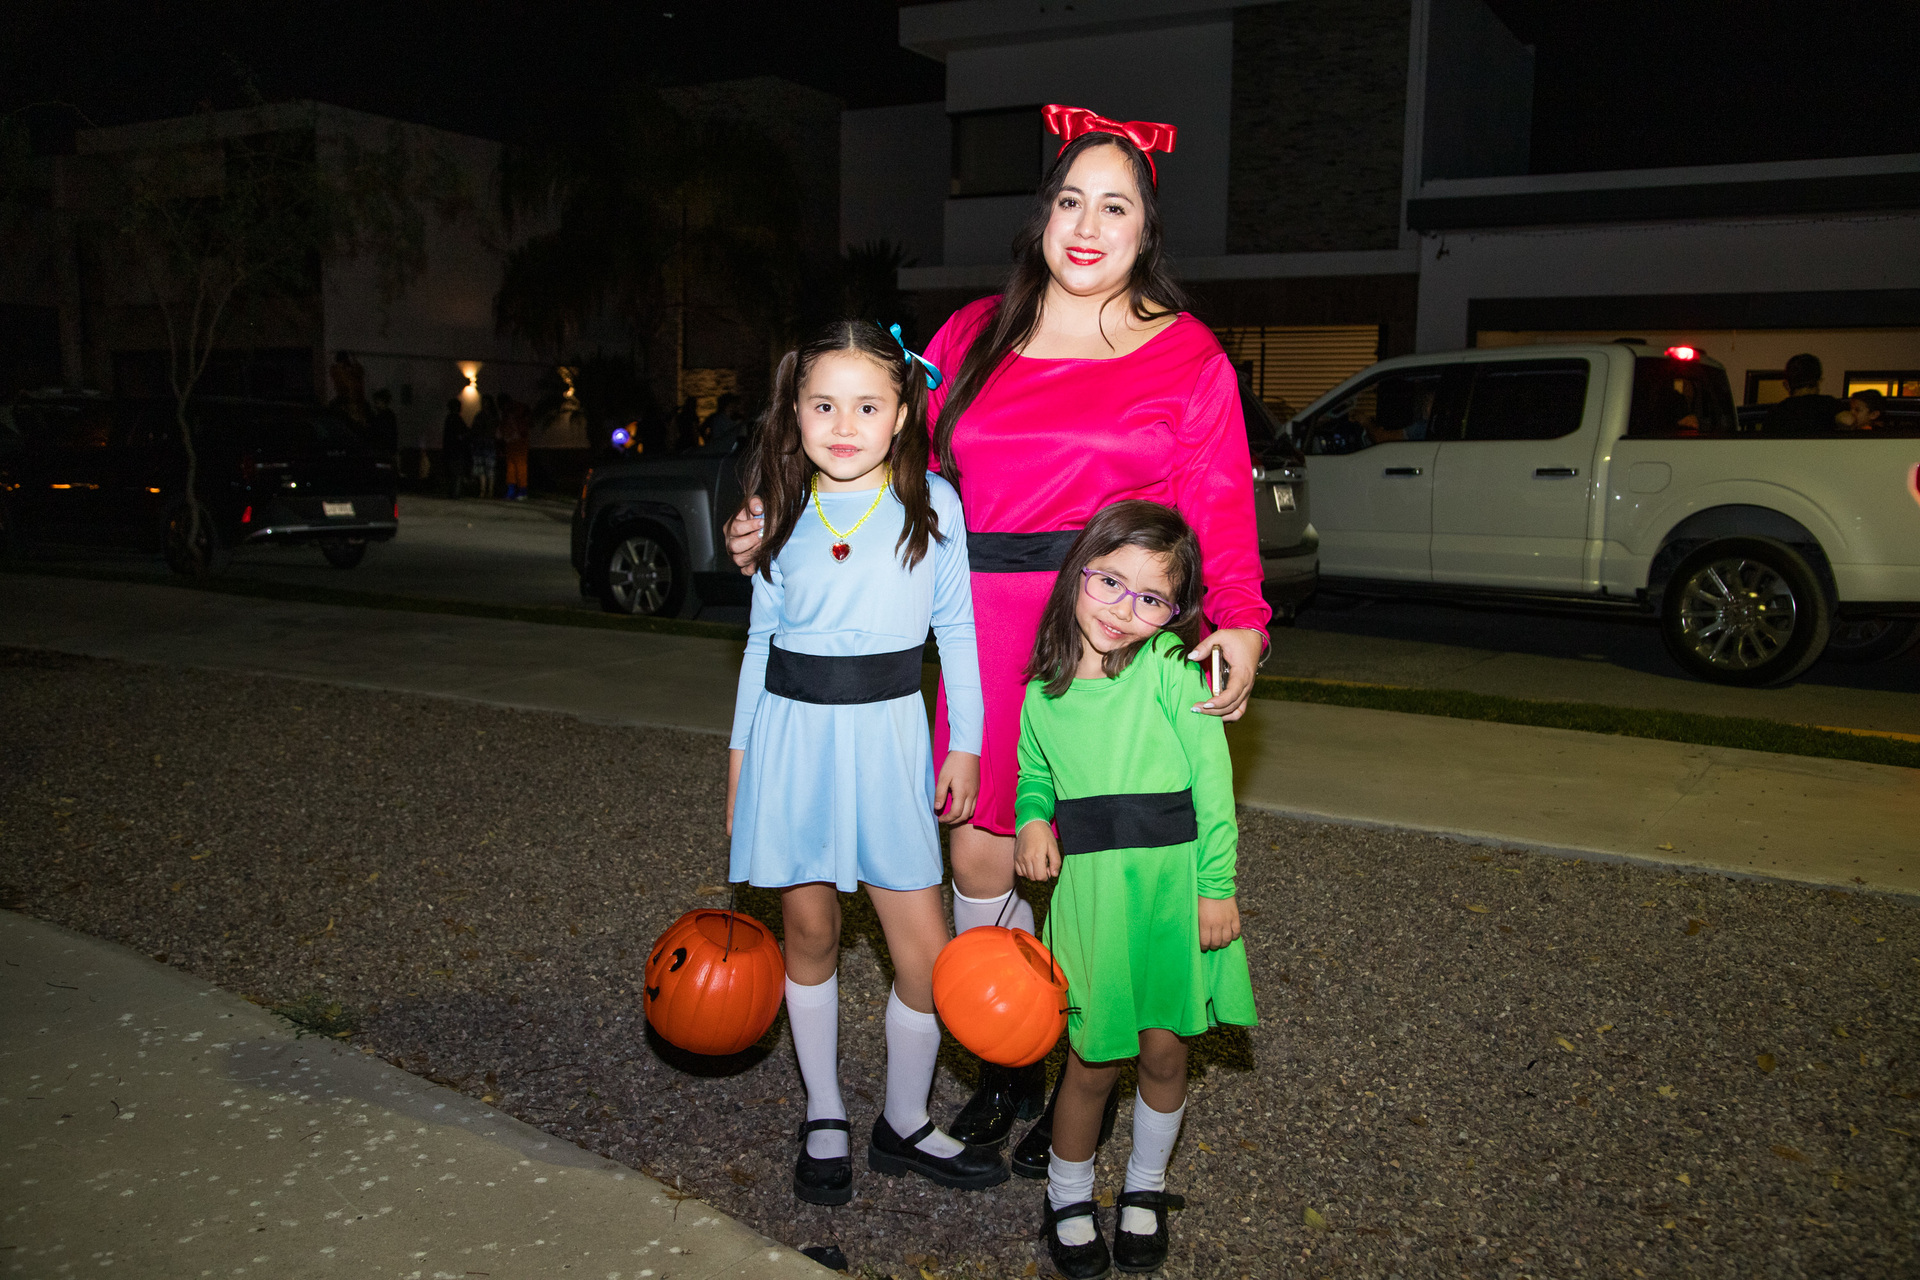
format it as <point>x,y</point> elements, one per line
<point>996,153</point>
<point>1888,382</point>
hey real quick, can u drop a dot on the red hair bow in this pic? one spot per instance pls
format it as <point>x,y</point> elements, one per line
<point>1068,123</point>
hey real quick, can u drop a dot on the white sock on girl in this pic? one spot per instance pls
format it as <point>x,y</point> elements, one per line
<point>913,1045</point>
<point>1154,1133</point>
<point>1070,1182</point>
<point>971,913</point>
<point>814,1014</point>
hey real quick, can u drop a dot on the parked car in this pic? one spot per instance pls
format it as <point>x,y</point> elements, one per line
<point>1614,476</point>
<point>648,533</point>
<point>81,469</point>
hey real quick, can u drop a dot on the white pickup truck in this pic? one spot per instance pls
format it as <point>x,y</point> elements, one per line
<point>1618,476</point>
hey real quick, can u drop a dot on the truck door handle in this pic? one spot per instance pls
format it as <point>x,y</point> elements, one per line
<point>1401,471</point>
<point>1554,472</point>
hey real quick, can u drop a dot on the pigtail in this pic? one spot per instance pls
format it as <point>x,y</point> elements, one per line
<point>908,463</point>
<point>776,467</point>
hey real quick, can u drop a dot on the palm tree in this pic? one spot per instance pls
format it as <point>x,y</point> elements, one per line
<point>643,219</point>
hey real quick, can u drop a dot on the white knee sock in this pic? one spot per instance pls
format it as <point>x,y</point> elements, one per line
<point>1154,1133</point>
<point>1070,1182</point>
<point>814,1014</point>
<point>971,913</point>
<point>913,1044</point>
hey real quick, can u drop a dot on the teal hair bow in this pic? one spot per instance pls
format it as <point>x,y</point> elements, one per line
<point>934,376</point>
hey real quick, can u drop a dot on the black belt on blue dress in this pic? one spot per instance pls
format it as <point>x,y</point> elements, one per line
<point>844,681</point>
<point>1137,820</point>
<point>1019,552</point>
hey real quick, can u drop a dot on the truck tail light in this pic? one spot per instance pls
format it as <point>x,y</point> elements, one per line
<point>246,517</point>
<point>396,508</point>
<point>1682,353</point>
<point>584,482</point>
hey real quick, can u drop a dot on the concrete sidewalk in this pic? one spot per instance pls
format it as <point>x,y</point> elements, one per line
<point>161,1128</point>
<point>1744,812</point>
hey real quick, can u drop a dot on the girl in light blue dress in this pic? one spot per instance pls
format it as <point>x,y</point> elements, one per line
<point>831,779</point>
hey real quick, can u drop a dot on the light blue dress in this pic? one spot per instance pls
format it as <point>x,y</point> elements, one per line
<point>844,794</point>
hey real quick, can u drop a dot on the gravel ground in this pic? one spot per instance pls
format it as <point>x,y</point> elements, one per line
<point>1471,1061</point>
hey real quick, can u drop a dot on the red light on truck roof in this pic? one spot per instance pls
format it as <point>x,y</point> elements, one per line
<point>1682,353</point>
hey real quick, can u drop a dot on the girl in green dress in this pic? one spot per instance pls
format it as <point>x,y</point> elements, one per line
<point>1140,789</point>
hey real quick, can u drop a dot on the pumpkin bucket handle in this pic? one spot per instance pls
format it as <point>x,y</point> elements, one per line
<point>733,892</point>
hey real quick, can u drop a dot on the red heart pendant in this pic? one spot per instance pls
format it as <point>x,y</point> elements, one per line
<point>841,551</point>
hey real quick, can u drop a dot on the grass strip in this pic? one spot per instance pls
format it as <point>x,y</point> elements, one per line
<point>1590,717</point>
<point>1696,729</point>
<point>259,589</point>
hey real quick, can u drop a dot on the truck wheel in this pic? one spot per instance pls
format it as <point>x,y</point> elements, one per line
<point>344,553</point>
<point>1859,640</point>
<point>1744,611</point>
<point>642,571</point>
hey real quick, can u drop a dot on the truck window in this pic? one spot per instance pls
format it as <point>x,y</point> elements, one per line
<point>1526,400</point>
<point>1400,405</point>
<point>1680,399</point>
<point>66,426</point>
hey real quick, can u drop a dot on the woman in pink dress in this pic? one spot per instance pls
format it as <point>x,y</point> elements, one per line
<point>1082,384</point>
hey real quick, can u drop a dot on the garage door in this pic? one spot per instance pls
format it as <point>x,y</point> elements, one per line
<point>1293,365</point>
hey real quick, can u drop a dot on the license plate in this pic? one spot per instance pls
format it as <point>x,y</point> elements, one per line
<point>336,508</point>
<point>1283,498</point>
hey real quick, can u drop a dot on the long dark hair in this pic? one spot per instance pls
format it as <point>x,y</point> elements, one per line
<point>1151,292</point>
<point>1133,523</point>
<point>777,468</point>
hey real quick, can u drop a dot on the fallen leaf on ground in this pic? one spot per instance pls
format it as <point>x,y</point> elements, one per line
<point>1667,1091</point>
<point>1603,1028</point>
<point>1790,1153</point>
<point>371,878</point>
<point>1840,1031</point>
<point>1683,1179</point>
<point>1695,926</point>
<point>1668,846</point>
<point>1314,1220</point>
<point>1251,1146</point>
<point>1477,909</point>
<point>710,890</point>
<point>1208,1149</point>
<point>1766,1062</point>
<point>1564,1043</point>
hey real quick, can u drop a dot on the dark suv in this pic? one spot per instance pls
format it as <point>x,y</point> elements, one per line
<point>648,533</point>
<point>81,469</point>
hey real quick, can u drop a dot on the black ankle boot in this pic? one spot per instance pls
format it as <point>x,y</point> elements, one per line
<point>1005,1094</point>
<point>1030,1157</point>
<point>822,1179</point>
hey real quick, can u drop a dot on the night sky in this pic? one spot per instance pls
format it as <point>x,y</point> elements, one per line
<point>1618,85</point>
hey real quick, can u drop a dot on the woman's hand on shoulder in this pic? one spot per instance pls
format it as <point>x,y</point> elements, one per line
<point>743,534</point>
<point>1219,922</point>
<point>1036,853</point>
<point>957,788</point>
<point>1240,647</point>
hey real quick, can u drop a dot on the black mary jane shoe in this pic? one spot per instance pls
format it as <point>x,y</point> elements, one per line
<point>973,1169</point>
<point>1140,1254</point>
<point>1074,1261</point>
<point>823,1179</point>
<point>1030,1157</point>
<point>1005,1094</point>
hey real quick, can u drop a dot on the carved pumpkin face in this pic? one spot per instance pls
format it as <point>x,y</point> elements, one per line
<point>714,982</point>
<point>1001,994</point>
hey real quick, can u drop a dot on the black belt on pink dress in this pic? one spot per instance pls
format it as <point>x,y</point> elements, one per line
<point>844,681</point>
<point>1137,820</point>
<point>1019,552</point>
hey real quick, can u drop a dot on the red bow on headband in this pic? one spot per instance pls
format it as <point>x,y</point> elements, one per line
<point>1068,123</point>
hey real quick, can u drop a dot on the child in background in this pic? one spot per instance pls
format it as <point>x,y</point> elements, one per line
<point>1143,923</point>
<point>831,784</point>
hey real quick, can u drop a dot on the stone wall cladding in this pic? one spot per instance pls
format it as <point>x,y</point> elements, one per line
<point>1319,117</point>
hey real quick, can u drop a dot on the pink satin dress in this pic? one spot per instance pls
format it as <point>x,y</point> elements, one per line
<point>1045,446</point>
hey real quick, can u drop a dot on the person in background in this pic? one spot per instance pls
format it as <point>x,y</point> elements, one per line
<point>1805,412</point>
<point>723,425</point>
<point>485,443</point>
<point>1864,409</point>
<point>684,431</point>
<point>349,379</point>
<point>383,428</point>
<point>516,435</point>
<point>456,456</point>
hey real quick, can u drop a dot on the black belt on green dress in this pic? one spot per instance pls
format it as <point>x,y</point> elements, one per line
<point>1138,820</point>
<point>844,681</point>
<point>1018,552</point>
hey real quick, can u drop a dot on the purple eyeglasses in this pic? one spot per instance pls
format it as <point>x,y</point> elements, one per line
<point>1147,607</point>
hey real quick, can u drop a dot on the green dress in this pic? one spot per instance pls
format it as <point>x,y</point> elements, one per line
<point>1125,923</point>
